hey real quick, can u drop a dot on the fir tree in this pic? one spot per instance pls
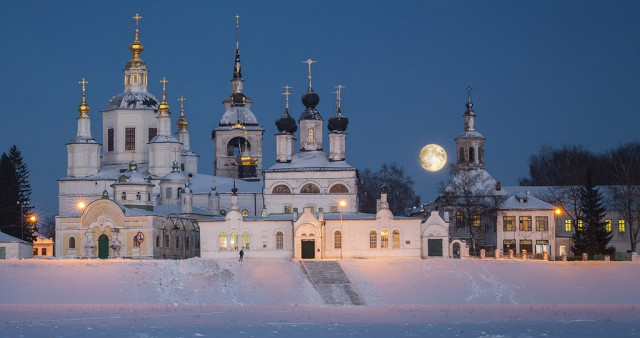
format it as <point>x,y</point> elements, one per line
<point>9,207</point>
<point>22,174</point>
<point>592,238</point>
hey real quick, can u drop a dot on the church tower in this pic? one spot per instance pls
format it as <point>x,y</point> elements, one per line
<point>83,152</point>
<point>470,143</point>
<point>129,121</point>
<point>310,120</point>
<point>163,146</point>
<point>337,131</point>
<point>188,159</point>
<point>286,127</point>
<point>238,131</point>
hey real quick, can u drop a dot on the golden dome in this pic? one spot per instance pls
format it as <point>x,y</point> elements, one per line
<point>136,47</point>
<point>182,121</point>
<point>163,107</point>
<point>83,108</point>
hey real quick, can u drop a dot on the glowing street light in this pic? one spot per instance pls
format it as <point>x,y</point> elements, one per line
<point>33,219</point>
<point>81,205</point>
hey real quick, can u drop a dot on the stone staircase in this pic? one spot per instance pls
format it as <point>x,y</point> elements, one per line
<point>331,282</point>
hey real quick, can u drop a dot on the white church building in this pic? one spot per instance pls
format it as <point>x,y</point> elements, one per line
<point>139,193</point>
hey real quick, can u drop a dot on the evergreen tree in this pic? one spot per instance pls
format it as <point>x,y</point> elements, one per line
<point>9,195</point>
<point>22,174</point>
<point>592,237</point>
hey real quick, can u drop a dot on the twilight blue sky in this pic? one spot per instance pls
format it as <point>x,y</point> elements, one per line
<point>542,72</point>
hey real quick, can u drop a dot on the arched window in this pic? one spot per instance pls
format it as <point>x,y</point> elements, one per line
<point>310,188</point>
<point>72,242</point>
<point>472,157</point>
<point>138,196</point>
<point>136,244</point>
<point>245,240</point>
<point>281,189</point>
<point>461,155</point>
<point>158,241</point>
<point>245,212</point>
<point>233,243</point>
<point>236,146</point>
<point>178,242</point>
<point>148,196</point>
<point>223,241</point>
<point>168,193</point>
<point>279,240</point>
<point>396,239</point>
<point>337,240</point>
<point>223,212</point>
<point>338,189</point>
<point>373,239</point>
<point>384,239</point>
<point>310,135</point>
<point>124,196</point>
<point>186,243</point>
<point>166,241</point>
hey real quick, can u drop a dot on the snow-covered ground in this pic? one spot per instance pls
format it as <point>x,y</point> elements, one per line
<point>261,297</point>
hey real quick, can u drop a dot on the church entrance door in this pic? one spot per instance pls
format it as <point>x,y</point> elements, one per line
<point>308,248</point>
<point>103,246</point>
<point>434,247</point>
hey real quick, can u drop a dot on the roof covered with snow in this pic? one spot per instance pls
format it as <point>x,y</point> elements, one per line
<point>523,201</point>
<point>242,115</point>
<point>310,160</point>
<point>470,134</point>
<point>133,100</point>
<point>4,238</point>
<point>475,181</point>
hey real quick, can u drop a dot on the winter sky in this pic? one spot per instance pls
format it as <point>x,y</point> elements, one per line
<point>542,72</point>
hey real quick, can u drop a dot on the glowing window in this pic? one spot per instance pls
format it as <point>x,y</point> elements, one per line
<point>373,240</point>
<point>476,220</point>
<point>287,208</point>
<point>337,240</point>
<point>459,218</point>
<point>607,224</point>
<point>281,189</point>
<point>245,212</point>
<point>567,225</point>
<point>279,240</point>
<point>223,241</point>
<point>384,239</point>
<point>542,223</point>
<point>245,240</point>
<point>233,243</point>
<point>579,225</point>
<point>310,135</point>
<point>395,239</point>
<point>525,223</point>
<point>223,212</point>
<point>621,227</point>
<point>509,223</point>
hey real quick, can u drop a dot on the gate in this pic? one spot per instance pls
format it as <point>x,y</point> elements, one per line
<point>103,246</point>
<point>308,249</point>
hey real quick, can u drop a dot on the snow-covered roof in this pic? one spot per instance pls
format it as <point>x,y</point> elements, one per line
<point>555,194</point>
<point>4,238</point>
<point>242,115</point>
<point>163,210</point>
<point>477,181</point>
<point>523,201</point>
<point>133,100</point>
<point>470,134</point>
<point>311,160</point>
<point>164,139</point>
<point>82,139</point>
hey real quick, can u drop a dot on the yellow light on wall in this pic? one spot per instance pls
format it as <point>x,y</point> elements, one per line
<point>343,203</point>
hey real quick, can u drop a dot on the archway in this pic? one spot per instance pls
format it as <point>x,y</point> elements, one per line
<point>103,246</point>
<point>308,249</point>
<point>456,250</point>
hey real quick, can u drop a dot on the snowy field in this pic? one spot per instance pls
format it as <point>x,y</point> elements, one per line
<point>273,298</point>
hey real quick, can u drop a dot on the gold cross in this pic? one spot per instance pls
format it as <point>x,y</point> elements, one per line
<point>181,99</point>
<point>338,93</point>
<point>137,17</point>
<point>237,21</point>
<point>164,83</point>
<point>309,62</point>
<point>83,82</point>
<point>175,154</point>
<point>286,94</point>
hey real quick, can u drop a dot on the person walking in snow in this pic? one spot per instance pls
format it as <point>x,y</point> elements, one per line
<point>241,255</point>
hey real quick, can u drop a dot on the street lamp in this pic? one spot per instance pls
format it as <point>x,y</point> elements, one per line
<point>341,204</point>
<point>22,204</point>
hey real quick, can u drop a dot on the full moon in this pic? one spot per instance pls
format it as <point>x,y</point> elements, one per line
<point>432,157</point>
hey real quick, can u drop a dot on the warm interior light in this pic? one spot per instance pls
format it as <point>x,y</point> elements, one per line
<point>343,204</point>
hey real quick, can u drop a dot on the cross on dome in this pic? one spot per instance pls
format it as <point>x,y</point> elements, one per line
<point>286,95</point>
<point>309,62</point>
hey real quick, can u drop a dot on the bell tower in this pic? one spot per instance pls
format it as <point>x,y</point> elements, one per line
<point>470,144</point>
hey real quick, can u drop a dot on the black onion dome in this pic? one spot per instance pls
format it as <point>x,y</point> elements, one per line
<point>310,100</point>
<point>338,122</point>
<point>383,189</point>
<point>286,123</point>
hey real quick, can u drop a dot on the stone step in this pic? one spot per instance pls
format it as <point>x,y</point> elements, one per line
<point>331,282</point>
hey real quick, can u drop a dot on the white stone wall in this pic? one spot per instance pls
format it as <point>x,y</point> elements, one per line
<point>142,120</point>
<point>518,235</point>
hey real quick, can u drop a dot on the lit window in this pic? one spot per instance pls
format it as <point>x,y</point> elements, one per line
<point>542,246</point>
<point>526,244</point>
<point>579,225</point>
<point>72,242</point>
<point>310,135</point>
<point>373,240</point>
<point>337,240</point>
<point>567,225</point>
<point>542,223</point>
<point>459,218</point>
<point>245,212</point>
<point>338,189</point>
<point>279,240</point>
<point>509,223</point>
<point>287,208</point>
<point>525,223</point>
<point>223,241</point>
<point>245,240</point>
<point>384,239</point>
<point>223,212</point>
<point>621,227</point>
<point>395,239</point>
<point>607,224</point>
<point>233,244</point>
<point>508,244</point>
<point>476,220</point>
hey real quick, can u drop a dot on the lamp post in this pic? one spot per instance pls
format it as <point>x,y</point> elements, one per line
<point>22,204</point>
<point>342,204</point>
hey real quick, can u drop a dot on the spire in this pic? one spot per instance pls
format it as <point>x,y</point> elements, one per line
<point>309,62</point>
<point>469,114</point>
<point>182,121</point>
<point>286,123</point>
<point>338,93</point>
<point>338,122</point>
<point>135,71</point>
<point>237,69</point>
<point>237,97</point>
<point>164,105</point>
<point>83,108</point>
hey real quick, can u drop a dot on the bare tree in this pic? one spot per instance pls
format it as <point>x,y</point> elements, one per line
<point>470,197</point>
<point>625,194</point>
